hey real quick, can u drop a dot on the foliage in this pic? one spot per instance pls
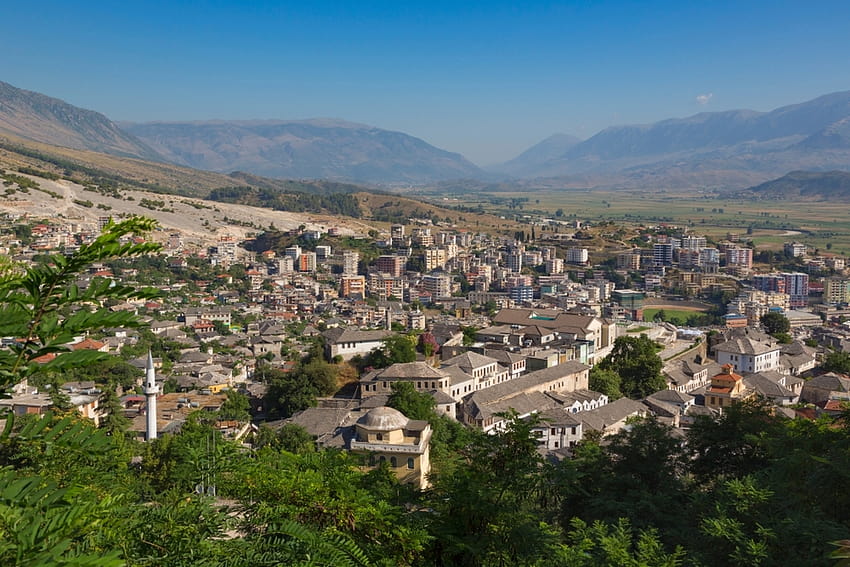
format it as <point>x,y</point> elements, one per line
<point>775,323</point>
<point>606,382</point>
<point>636,361</point>
<point>235,406</point>
<point>837,362</point>
<point>396,348</point>
<point>33,305</point>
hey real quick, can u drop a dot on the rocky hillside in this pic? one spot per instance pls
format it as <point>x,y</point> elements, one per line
<point>315,149</point>
<point>49,120</point>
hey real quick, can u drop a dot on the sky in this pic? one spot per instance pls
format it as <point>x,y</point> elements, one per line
<point>485,79</point>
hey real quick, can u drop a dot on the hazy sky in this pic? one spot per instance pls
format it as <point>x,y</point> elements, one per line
<point>486,79</point>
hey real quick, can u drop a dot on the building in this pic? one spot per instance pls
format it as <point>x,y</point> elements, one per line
<point>557,429</point>
<point>739,258</point>
<point>726,388</point>
<point>797,287</point>
<point>437,285</point>
<point>662,254</point>
<point>350,260</point>
<point>794,249</point>
<point>348,343</point>
<point>307,262</point>
<point>836,290</point>
<point>352,286</point>
<point>392,265</point>
<point>385,435</point>
<point>578,255</point>
<point>747,354</point>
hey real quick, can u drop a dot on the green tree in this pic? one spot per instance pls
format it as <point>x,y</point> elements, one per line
<point>395,348</point>
<point>34,305</point>
<point>636,361</point>
<point>235,406</point>
<point>413,404</point>
<point>606,382</point>
<point>837,362</point>
<point>774,323</point>
<point>295,439</point>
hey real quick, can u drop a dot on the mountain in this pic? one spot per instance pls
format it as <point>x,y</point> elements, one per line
<point>321,148</point>
<point>52,121</point>
<point>832,185</point>
<point>734,148</point>
<point>537,156</point>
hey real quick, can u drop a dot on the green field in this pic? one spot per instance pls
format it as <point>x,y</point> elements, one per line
<point>679,316</point>
<point>822,225</point>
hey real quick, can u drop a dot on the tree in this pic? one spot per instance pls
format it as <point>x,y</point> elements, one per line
<point>295,439</point>
<point>635,360</point>
<point>235,406</point>
<point>660,316</point>
<point>396,348</point>
<point>837,362</point>
<point>46,307</point>
<point>413,404</point>
<point>775,323</point>
<point>606,382</point>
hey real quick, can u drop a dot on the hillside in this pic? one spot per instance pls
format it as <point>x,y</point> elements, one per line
<point>734,148</point>
<point>315,149</point>
<point>531,160</point>
<point>827,185</point>
<point>41,118</point>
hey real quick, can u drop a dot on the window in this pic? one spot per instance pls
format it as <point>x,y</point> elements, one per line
<point>380,437</point>
<point>410,463</point>
<point>554,431</point>
<point>393,462</point>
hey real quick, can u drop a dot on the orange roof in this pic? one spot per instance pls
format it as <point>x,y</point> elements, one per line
<point>88,344</point>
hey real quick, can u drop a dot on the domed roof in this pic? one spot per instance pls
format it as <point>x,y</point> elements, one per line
<point>383,418</point>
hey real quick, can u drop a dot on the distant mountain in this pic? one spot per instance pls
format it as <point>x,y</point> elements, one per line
<point>734,148</point>
<point>531,160</point>
<point>52,121</point>
<point>832,185</point>
<point>327,149</point>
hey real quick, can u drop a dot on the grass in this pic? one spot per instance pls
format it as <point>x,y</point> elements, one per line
<point>640,329</point>
<point>820,223</point>
<point>671,315</point>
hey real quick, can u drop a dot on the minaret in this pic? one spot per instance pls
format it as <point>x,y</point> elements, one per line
<point>151,391</point>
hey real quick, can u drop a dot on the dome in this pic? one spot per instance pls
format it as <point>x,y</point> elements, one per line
<point>383,418</point>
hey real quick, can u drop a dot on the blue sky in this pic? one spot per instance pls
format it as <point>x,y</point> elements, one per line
<point>486,79</point>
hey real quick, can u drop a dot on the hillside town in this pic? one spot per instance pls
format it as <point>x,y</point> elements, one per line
<point>489,326</point>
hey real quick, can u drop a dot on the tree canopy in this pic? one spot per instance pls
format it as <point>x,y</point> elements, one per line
<point>636,362</point>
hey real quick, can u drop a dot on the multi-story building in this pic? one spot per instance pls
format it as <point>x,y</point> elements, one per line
<point>350,259</point>
<point>794,249</point>
<point>797,287</point>
<point>352,286</point>
<point>836,290</point>
<point>726,388</point>
<point>747,354</point>
<point>769,282</point>
<point>739,258</point>
<point>628,261</point>
<point>293,252</point>
<point>554,266</point>
<point>435,258</point>
<point>578,256</point>
<point>422,237</point>
<point>307,262</point>
<point>662,254</point>
<point>513,261</point>
<point>437,285</point>
<point>392,265</point>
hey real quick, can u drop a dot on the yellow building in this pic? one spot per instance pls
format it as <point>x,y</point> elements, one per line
<point>385,435</point>
<point>726,388</point>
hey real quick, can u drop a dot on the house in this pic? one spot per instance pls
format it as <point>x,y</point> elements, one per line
<point>612,417</point>
<point>727,388</point>
<point>422,376</point>
<point>825,387</point>
<point>796,358</point>
<point>557,429</point>
<point>348,343</point>
<point>749,354</point>
<point>689,374</point>
<point>385,435</point>
<point>600,332</point>
<point>770,385</point>
<point>524,395</point>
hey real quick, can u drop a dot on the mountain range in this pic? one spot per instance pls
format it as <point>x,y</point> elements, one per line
<point>726,150</point>
<point>320,148</point>
<point>732,148</point>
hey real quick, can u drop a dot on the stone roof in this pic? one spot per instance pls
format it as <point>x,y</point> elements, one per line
<point>747,345</point>
<point>383,418</point>
<point>767,386</point>
<point>339,335</point>
<point>469,360</point>
<point>673,397</point>
<point>604,416</point>
<point>557,416</point>
<point>406,371</point>
<point>554,319</point>
<point>830,381</point>
<point>525,382</point>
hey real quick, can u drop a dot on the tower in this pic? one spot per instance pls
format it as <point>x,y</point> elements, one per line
<point>151,390</point>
